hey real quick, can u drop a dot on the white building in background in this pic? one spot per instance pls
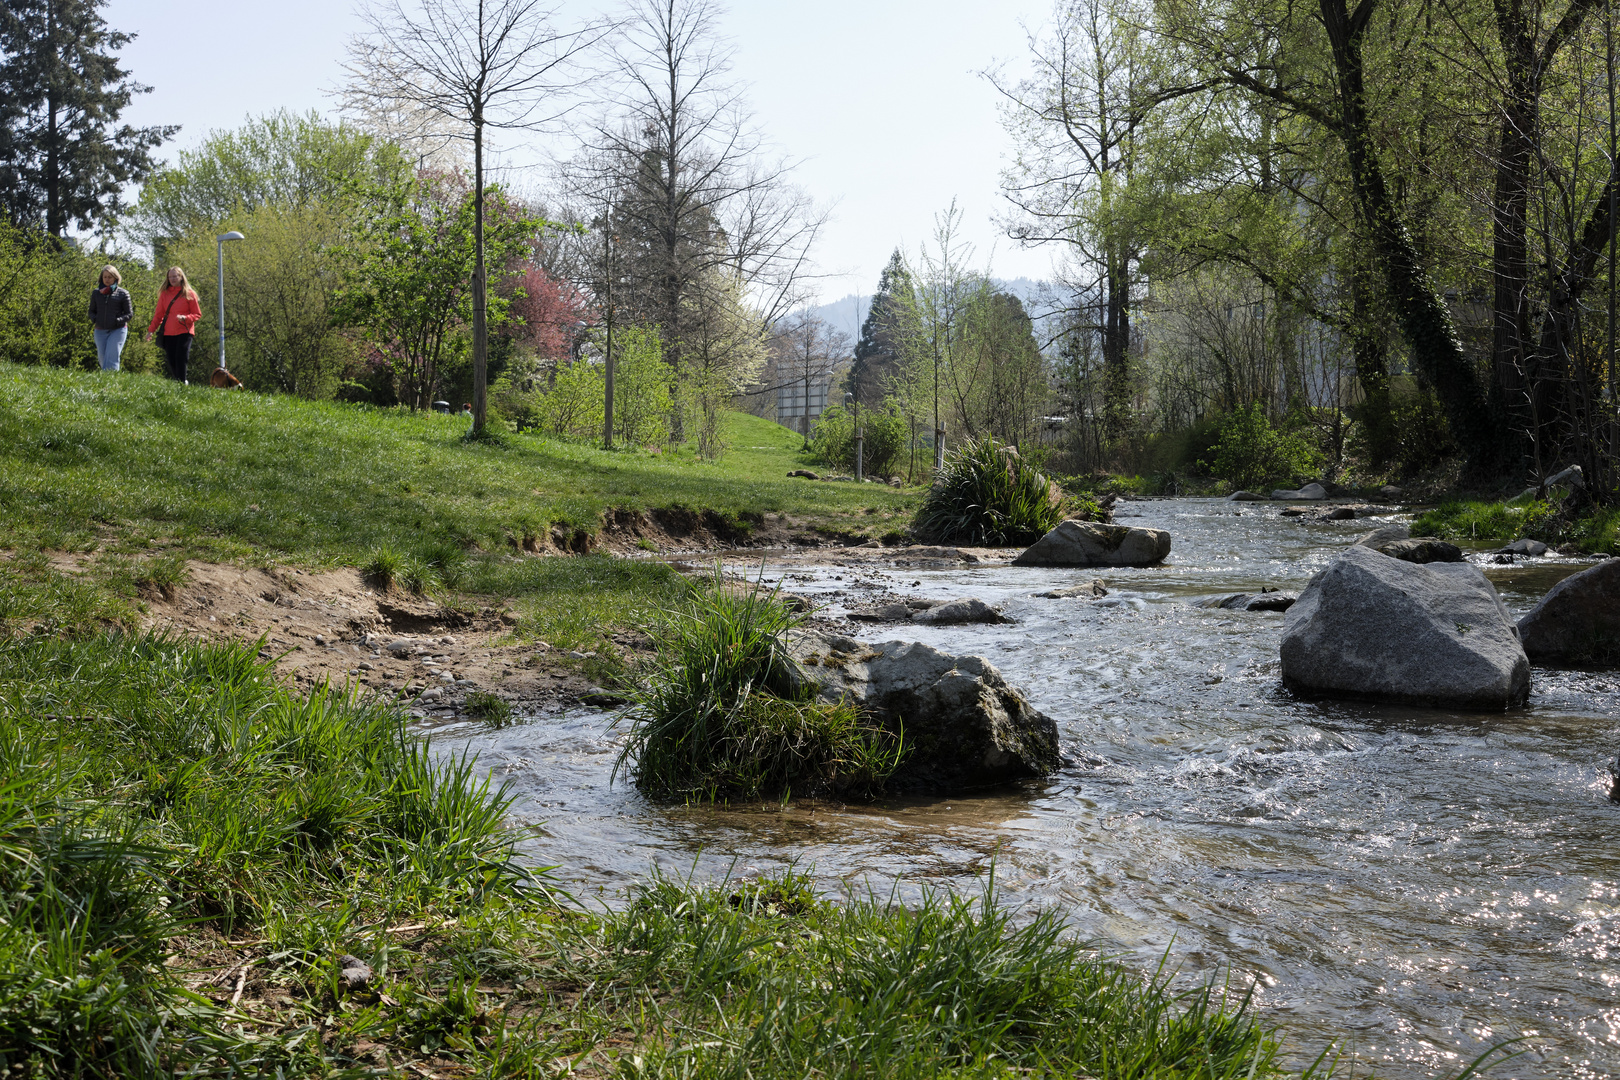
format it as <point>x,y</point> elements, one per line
<point>802,398</point>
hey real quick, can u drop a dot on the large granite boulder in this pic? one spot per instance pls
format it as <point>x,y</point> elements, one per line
<point>1093,543</point>
<point>1578,621</point>
<point>1371,626</point>
<point>964,726</point>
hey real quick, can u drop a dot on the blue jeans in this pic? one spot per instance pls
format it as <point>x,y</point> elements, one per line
<point>109,344</point>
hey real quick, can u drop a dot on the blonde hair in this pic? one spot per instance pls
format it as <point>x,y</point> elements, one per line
<point>185,284</point>
<point>101,278</point>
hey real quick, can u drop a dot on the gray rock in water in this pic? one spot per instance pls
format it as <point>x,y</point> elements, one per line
<point>1309,491</point>
<point>1229,601</point>
<point>1092,543</point>
<point>1245,496</point>
<point>1090,590</point>
<point>1384,535</point>
<point>1340,513</point>
<point>1265,601</point>
<point>1578,621</point>
<point>1438,635</point>
<point>1524,546</point>
<point>1420,550</point>
<point>955,612</point>
<point>965,727</point>
<point>603,698</point>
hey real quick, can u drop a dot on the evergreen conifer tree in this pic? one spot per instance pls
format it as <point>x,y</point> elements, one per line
<point>877,354</point>
<point>64,158</point>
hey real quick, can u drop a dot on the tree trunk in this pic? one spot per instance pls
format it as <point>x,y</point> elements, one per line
<point>1421,311</point>
<point>1371,352</point>
<point>480,326</point>
<point>1117,345</point>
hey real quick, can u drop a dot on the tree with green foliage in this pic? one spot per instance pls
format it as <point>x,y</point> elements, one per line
<point>411,253</point>
<point>1253,454</point>
<point>487,66</point>
<point>883,438</point>
<point>64,158</point>
<point>281,299</point>
<point>641,402</point>
<point>573,405</point>
<point>282,159</point>
<point>878,353</point>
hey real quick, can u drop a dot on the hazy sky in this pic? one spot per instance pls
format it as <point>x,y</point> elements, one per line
<point>882,101</point>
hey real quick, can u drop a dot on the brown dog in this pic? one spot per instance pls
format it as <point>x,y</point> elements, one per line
<point>223,380</point>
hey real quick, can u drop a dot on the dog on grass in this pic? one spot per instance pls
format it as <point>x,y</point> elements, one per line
<point>223,380</point>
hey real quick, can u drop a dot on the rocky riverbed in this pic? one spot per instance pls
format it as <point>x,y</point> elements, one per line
<point>1416,883</point>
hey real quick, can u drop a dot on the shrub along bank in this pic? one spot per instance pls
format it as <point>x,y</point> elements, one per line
<point>204,874</point>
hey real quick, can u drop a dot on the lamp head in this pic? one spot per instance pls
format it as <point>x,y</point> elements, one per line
<point>231,236</point>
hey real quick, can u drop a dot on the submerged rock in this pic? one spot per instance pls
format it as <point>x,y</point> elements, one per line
<point>1371,626</point>
<point>1245,496</point>
<point>1262,601</point>
<point>1578,621</point>
<point>1089,591</point>
<point>964,726</point>
<point>1383,535</point>
<point>1091,543</point>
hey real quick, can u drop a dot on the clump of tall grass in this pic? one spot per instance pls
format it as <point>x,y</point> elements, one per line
<point>871,987</point>
<point>988,494</point>
<point>724,714</point>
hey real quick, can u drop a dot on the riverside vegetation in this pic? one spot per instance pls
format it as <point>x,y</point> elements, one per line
<point>208,875</point>
<point>206,872</point>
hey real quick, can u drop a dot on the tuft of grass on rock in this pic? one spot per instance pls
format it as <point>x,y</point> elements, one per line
<point>723,713</point>
<point>988,495</point>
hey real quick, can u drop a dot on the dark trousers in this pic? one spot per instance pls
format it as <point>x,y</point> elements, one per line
<point>176,355</point>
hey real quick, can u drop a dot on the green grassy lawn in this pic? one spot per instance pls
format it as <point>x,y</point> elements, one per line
<point>144,473</point>
<point>236,474</point>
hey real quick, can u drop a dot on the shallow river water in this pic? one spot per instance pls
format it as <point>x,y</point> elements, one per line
<point>1412,884</point>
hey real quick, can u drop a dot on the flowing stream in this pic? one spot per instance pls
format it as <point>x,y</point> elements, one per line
<point>1412,884</point>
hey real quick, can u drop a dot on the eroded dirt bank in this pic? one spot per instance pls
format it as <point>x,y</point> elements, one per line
<point>334,626</point>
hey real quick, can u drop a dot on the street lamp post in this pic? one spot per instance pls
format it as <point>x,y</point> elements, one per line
<point>221,238</point>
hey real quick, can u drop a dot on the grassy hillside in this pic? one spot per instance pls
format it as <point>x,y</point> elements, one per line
<point>86,458</point>
<point>134,475</point>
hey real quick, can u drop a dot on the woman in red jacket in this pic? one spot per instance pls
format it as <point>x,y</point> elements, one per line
<point>175,321</point>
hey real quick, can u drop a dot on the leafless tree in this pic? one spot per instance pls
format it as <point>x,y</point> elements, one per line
<point>478,64</point>
<point>698,201</point>
<point>805,350</point>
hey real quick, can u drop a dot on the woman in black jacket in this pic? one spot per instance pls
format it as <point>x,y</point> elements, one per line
<point>110,311</point>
